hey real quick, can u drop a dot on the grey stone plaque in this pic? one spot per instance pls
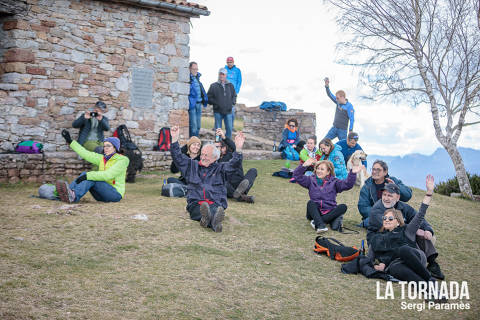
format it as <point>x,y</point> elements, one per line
<point>142,88</point>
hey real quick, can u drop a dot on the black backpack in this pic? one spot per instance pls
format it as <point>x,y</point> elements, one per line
<point>123,135</point>
<point>131,151</point>
<point>164,140</point>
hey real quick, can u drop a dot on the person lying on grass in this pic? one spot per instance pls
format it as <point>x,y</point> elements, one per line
<point>107,184</point>
<point>207,194</point>
<point>323,187</point>
<point>395,247</point>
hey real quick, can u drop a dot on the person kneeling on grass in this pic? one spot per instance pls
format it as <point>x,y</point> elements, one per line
<point>207,193</point>
<point>323,187</point>
<point>107,184</point>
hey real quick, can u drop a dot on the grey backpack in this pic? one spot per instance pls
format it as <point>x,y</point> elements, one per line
<point>174,190</point>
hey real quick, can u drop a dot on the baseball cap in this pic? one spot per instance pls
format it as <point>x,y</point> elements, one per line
<point>101,105</point>
<point>230,59</point>
<point>353,135</point>
<point>222,70</point>
<point>392,188</point>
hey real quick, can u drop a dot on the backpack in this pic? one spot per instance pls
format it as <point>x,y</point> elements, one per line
<point>290,153</point>
<point>174,190</point>
<point>335,249</point>
<point>164,140</point>
<point>273,106</point>
<point>123,135</point>
<point>29,146</point>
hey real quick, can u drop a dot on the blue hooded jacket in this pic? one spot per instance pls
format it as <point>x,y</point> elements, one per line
<point>192,97</point>
<point>234,76</point>
<point>347,151</point>
<point>336,157</point>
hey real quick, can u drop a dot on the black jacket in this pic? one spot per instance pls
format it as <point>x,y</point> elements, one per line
<point>222,99</point>
<point>85,126</point>
<point>236,176</point>
<point>173,167</point>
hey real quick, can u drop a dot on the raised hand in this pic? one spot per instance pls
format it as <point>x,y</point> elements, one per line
<point>66,136</point>
<point>309,162</point>
<point>175,133</point>
<point>357,168</point>
<point>219,132</point>
<point>389,180</point>
<point>430,184</point>
<point>327,82</point>
<point>239,141</point>
<point>87,115</point>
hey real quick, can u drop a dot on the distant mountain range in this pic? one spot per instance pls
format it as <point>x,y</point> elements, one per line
<point>412,168</point>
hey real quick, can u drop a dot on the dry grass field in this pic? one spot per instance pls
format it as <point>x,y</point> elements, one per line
<point>94,261</point>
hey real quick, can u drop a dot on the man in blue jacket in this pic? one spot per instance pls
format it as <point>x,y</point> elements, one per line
<point>234,75</point>
<point>349,146</point>
<point>373,190</point>
<point>206,188</point>
<point>196,99</point>
<point>343,114</point>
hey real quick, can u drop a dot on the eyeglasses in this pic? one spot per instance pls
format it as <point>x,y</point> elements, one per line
<point>377,170</point>
<point>389,218</point>
<point>107,146</point>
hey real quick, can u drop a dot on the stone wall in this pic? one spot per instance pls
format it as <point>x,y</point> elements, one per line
<point>59,57</point>
<point>269,125</point>
<point>35,168</point>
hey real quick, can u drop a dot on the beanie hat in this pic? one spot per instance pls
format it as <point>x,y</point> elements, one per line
<point>230,59</point>
<point>191,141</point>
<point>114,141</point>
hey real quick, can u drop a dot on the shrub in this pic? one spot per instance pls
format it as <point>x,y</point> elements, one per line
<point>451,185</point>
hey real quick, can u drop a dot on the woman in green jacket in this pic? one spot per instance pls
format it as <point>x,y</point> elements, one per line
<point>107,184</point>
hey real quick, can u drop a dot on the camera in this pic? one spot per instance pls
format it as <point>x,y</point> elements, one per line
<point>93,114</point>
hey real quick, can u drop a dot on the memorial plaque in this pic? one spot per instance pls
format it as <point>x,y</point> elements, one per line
<point>142,88</point>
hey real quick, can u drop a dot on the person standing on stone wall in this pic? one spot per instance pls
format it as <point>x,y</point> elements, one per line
<point>222,96</point>
<point>196,99</point>
<point>343,113</point>
<point>92,123</point>
<point>234,75</point>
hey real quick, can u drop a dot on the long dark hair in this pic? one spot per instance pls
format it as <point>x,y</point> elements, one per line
<point>327,142</point>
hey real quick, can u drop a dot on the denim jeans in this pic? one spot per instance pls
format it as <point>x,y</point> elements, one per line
<point>227,118</point>
<point>336,132</point>
<point>195,119</point>
<point>100,190</point>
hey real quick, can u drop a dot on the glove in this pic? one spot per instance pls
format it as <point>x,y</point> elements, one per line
<point>82,177</point>
<point>66,136</point>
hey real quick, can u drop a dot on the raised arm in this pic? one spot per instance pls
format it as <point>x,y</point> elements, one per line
<point>181,160</point>
<point>413,226</point>
<point>299,173</point>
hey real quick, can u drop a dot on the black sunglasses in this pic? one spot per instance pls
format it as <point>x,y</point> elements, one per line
<point>389,218</point>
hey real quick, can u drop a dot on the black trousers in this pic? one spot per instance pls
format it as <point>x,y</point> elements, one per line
<point>320,220</point>
<point>410,268</point>
<point>251,175</point>
<point>194,210</point>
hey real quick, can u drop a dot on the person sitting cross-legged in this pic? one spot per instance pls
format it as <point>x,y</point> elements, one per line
<point>373,188</point>
<point>424,235</point>
<point>323,187</point>
<point>206,190</point>
<point>237,183</point>
<point>107,184</point>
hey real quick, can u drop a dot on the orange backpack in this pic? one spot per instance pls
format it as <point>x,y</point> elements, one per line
<point>335,249</point>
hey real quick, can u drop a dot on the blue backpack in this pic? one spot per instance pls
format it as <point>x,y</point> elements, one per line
<point>273,106</point>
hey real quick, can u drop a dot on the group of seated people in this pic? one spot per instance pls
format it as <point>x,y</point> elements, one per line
<point>399,237</point>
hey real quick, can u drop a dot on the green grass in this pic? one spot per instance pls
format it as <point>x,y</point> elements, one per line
<point>209,123</point>
<point>96,262</point>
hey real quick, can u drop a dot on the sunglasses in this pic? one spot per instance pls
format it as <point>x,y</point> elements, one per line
<point>108,146</point>
<point>389,218</point>
<point>376,170</point>
<point>291,125</point>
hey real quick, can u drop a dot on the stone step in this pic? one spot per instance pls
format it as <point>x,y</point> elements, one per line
<point>260,155</point>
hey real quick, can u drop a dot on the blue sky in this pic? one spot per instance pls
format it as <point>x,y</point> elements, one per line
<point>285,48</point>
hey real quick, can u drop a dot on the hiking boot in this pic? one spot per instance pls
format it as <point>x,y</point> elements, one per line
<point>64,192</point>
<point>337,223</point>
<point>217,220</point>
<point>435,271</point>
<point>242,187</point>
<point>322,229</point>
<point>205,212</point>
<point>247,199</point>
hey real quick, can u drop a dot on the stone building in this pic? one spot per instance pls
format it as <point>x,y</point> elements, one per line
<point>58,57</point>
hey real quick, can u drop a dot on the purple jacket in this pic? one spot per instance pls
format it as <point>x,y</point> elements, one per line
<point>324,195</point>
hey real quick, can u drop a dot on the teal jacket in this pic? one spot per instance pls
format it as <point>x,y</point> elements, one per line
<point>336,157</point>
